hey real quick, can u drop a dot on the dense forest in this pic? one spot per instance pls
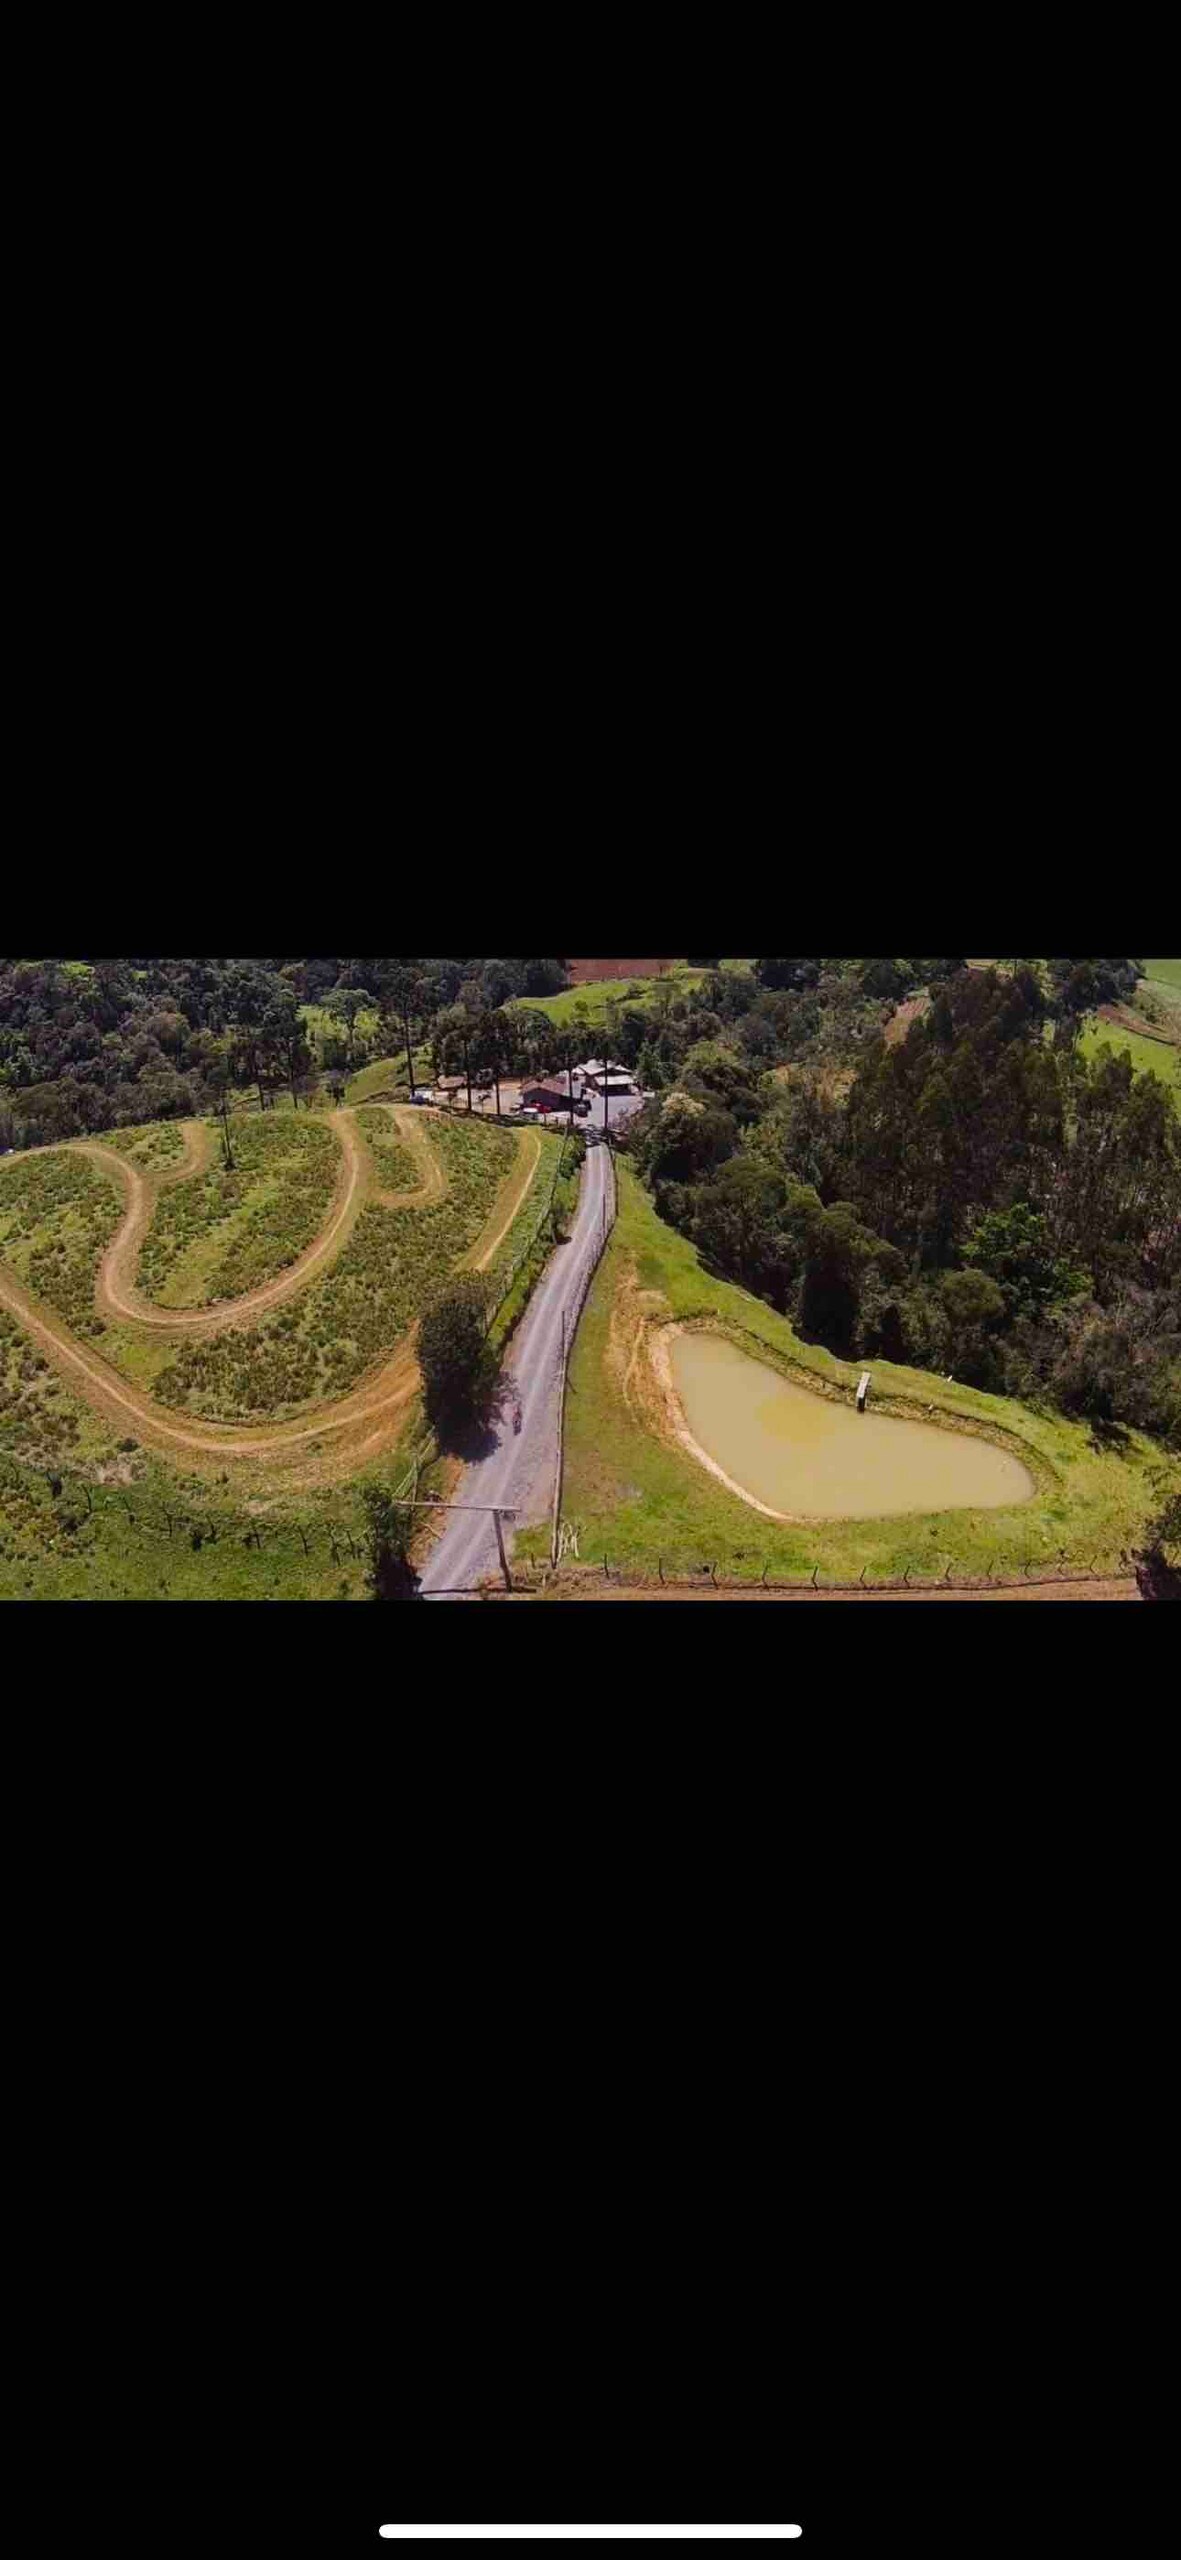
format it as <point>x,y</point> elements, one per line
<point>90,1044</point>
<point>974,1196</point>
<point>910,1158</point>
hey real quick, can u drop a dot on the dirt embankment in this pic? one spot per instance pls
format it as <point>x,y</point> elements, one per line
<point>1123,1017</point>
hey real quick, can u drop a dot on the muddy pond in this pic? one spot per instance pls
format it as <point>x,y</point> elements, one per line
<point>795,1452</point>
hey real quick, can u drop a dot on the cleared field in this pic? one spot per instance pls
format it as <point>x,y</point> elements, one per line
<point>636,1495</point>
<point>589,1003</point>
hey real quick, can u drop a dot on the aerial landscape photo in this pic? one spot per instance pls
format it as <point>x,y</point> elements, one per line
<point>699,1281</point>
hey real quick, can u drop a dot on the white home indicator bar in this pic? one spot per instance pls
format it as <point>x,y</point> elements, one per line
<point>590,2532</point>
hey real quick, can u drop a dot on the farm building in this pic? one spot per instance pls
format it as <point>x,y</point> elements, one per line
<point>600,1076</point>
<point>545,1097</point>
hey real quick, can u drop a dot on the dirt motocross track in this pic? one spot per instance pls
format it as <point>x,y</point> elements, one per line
<point>338,1435</point>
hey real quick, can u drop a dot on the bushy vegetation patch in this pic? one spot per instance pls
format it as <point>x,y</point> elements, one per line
<point>396,1167</point>
<point>396,1263</point>
<point>38,1418</point>
<point>150,1148</point>
<point>228,1231</point>
<point>57,1213</point>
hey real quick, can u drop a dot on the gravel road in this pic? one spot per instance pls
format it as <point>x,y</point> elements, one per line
<point>519,1471</point>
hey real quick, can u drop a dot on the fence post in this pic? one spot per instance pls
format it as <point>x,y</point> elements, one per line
<point>906,1578</point>
<point>660,1566</point>
<point>861,1577</point>
<point>605,1568</point>
<point>765,1577</point>
<point>714,1572</point>
<point>947,1576</point>
<point>815,1571</point>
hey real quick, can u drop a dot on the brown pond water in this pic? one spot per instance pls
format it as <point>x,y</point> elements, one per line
<point>798,1453</point>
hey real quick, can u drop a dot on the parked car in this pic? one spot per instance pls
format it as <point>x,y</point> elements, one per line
<point>420,1097</point>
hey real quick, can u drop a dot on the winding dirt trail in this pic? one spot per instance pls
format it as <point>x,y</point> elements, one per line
<point>409,1127</point>
<point>117,1299</point>
<point>324,1443</point>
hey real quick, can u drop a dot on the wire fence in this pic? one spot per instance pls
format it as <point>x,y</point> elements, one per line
<point>575,1570</point>
<point>66,1502</point>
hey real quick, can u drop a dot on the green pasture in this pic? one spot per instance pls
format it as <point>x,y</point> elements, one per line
<point>1149,1057</point>
<point>589,1004</point>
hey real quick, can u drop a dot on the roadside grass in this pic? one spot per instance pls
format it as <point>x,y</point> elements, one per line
<point>395,1264</point>
<point>641,1500</point>
<point>524,1224</point>
<point>224,1233</point>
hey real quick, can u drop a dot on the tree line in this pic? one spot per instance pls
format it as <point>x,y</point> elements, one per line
<point>96,1043</point>
<point>979,1198</point>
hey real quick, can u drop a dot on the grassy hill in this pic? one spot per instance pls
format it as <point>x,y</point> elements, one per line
<point>589,1004</point>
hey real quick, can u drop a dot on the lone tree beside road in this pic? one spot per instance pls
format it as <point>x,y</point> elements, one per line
<point>389,1527</point>
<point>459,1367</point>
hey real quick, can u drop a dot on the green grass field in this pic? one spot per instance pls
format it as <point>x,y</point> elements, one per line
<point>388,1075</point>
<point>640,1500</point>
<point>1167,971</point>
<point>319,1025</point>
<point>1150,1057</point>
<point>589,1004</point>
